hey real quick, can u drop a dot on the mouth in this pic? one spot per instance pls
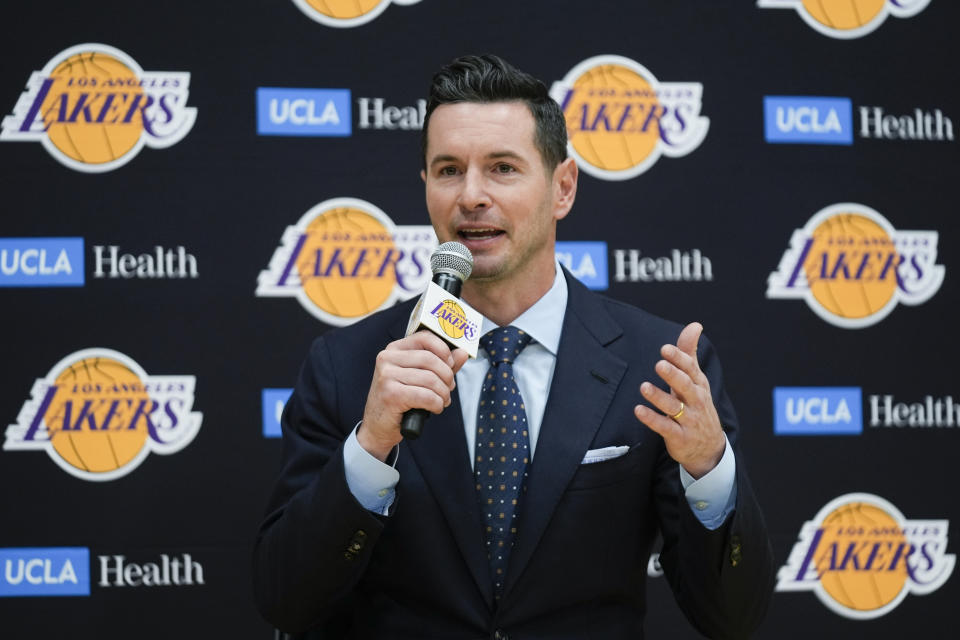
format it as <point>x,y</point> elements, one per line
<point>479,234</point>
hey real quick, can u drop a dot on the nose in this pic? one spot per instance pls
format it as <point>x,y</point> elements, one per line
<point>473,192</point>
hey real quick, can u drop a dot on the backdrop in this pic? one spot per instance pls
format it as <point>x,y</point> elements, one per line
<point>193,191</point>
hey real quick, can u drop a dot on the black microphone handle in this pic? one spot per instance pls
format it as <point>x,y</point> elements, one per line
<point>411,427</point>
<point>449,283</point>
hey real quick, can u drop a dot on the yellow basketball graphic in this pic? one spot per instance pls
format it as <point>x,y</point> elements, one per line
<point>863,525</point>
<point>622,145</point>
<point>344,9</point>
<point>346,13</point>
<point>861,557</point>
<point>342,264</point>
<point>97,392</point>
<point>77,80</point>
<point>844,14</point>
<point>839,278</point>
<point>621,119</point>
<point>451,318</point>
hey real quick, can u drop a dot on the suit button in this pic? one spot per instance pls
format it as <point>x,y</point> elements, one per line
<point>356,544</point>
<point>736,551</point>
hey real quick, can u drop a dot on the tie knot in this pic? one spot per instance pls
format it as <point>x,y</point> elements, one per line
<point>504,344</point>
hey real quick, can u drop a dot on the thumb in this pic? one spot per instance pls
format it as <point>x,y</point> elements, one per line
<point>460,356</point>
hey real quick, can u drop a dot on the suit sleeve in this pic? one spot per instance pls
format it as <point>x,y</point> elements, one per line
<point>722,579</point>
<point>316,540</point>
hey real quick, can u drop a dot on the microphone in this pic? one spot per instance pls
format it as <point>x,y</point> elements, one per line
<point>451,264</point>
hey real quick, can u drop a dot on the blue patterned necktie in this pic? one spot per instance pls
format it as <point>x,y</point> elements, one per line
<point>503,449</point>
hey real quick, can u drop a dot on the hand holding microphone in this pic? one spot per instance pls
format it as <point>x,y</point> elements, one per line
<point>451,264</point>
<point>414,376</point>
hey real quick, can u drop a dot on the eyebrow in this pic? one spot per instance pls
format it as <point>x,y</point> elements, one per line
<point>496,155</point>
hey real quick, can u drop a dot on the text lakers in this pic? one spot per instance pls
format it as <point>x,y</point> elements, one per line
<point>346,259</point>
<point>454,321</point>
<point>621,119</point>
<point>98,415</point>
<point>93,108</point>
<point>852,267</point>
<point>861,557</point>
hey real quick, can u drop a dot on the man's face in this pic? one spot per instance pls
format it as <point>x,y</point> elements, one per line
<point>487,187</point>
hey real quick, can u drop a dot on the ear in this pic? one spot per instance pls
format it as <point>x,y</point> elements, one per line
<point>423,175</point>
<point>564,188</point>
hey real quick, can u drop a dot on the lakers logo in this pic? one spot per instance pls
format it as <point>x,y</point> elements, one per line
<point>346,13</point>
<point>93,108</point>
<point>847,19</point>
<point>621,119</point>
<point>453,320</point>
<point>346,259</point>
<point>852,267</point>
<point>98,415</point>
<point>861,557</point>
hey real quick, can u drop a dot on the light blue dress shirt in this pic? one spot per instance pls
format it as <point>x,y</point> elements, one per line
<point>373,483</point>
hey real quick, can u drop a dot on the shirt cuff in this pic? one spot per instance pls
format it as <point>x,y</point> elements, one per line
<point>713,496</point>
<point>372,483</point>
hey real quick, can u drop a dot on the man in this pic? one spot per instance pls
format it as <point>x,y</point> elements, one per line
<point>482,528</point>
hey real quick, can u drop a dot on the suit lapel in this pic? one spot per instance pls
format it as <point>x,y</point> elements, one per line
<point>441,456</point>
<point>585,380</point>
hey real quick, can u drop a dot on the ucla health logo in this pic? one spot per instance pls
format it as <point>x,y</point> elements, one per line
<point>45,571</point>
<point>621,119</point>
<point>303,112</point>
<point>587,261</point>
<point>828,411</point>
<point>345,259</point>
<point>808,120</point>
<point>98,414</point>
<point>852,267</point>
<point>861,557</point>
<point>93,108</point>
<point>346,13</point>
<point>41,262</point>
<point>272,402</point>
<point>846,19</point>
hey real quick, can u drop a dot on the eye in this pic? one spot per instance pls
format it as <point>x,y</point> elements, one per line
<point>448,170</point>
<point>504,168</point>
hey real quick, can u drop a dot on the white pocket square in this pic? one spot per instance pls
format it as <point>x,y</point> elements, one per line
<point>606,453</point>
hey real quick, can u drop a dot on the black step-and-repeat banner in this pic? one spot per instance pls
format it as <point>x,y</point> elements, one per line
<point>192,191</point>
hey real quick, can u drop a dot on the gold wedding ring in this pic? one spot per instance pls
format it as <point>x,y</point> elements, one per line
<point>677,415</point>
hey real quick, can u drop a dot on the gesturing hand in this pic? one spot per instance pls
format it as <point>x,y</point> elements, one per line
<point>416,372</point>
<point>691,427</point>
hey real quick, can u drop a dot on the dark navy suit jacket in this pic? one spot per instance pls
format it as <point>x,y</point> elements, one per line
<point>579,566</point>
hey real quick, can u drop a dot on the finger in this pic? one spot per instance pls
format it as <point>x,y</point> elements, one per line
<point>679,381</point>
<point>664,426</point>
<point>416,360</point>
<point>668,404</point>
<point>689,338</point>
<point>421,378</point>
<point>683,362</point>
<point>418,397</point>
<point>427,341</point>
<point>460,357</point>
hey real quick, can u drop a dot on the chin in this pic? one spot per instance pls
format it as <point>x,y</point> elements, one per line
<point>485,269</point>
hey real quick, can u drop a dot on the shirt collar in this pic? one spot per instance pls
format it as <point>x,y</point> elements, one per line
<point>544,320</point>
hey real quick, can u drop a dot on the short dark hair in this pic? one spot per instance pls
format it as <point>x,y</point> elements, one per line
<point>489,78</point>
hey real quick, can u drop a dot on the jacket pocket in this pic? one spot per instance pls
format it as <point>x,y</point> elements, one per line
<point>608,472</point>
